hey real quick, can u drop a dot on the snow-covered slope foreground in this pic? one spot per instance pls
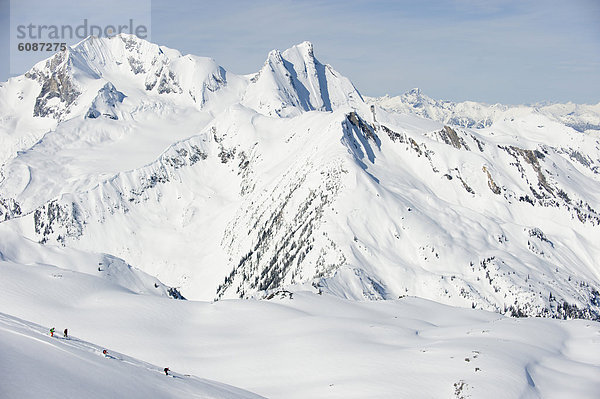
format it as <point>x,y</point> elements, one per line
<point>295,345</point>
<point>230,186</point>
<point>38,366</point>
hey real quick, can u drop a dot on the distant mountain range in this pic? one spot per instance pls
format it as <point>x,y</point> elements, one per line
<point>470,114</point>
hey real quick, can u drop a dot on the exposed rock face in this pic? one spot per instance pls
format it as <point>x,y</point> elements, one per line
<point>59,90</point>
<point>491,183</point>
<point>450,137</point>
<point>106,102</point>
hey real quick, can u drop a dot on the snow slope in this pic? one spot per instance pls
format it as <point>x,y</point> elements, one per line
<point>18,250</point>
<point>294,345</point>
<point>36,365</point>
<point>232,186</point>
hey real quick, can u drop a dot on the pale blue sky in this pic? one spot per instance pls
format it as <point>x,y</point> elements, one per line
<point>493,51</point>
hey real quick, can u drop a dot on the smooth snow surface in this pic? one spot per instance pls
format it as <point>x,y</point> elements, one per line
<point>309,345</point>
<point>36,365</point>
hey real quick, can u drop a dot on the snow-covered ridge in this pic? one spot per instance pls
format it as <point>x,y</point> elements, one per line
<point>17,250</point>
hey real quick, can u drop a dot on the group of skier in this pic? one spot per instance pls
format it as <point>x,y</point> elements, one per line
<point>65,333</point>
<point>104,352</point>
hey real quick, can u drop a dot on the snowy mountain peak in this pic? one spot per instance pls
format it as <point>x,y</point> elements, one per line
<point>306,45</point>
<point>85,67</point>
<point>274,57</point>
<point>294,81</point>
<point>108,52</point>
<point>304,50</point>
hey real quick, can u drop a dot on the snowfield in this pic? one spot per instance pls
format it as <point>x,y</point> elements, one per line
<point>295,345</point>
<point>328,245</point>
<point>56,367</point>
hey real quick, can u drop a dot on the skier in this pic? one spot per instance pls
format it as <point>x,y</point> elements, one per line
<point>166,371</point>
<point>105,352</point>
<point>65,333</point>
<point>52,332</point>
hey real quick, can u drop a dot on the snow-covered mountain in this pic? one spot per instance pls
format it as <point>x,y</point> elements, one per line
<point>294,81</point>
<point>237,186</point>
<point>132,175</point>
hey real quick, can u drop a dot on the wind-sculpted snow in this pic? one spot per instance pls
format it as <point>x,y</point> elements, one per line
<point>289,179</point>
